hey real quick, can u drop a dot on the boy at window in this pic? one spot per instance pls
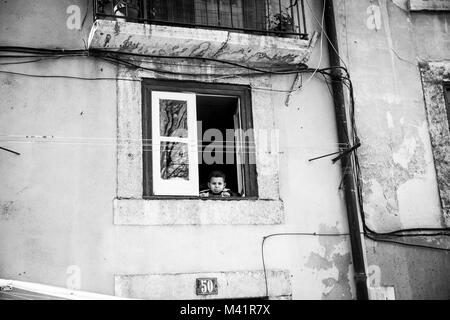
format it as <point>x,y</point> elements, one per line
<point>216,185</point>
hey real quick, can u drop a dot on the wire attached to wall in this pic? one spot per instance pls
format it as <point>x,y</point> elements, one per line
<point>9,150</point>
<point>113,57</point>
<point>26,52</point>
<point>123,59</point>
<point>388,237</point>
<point>290,234</point>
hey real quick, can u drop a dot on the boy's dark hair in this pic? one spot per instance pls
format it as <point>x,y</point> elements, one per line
<point>216,174</point>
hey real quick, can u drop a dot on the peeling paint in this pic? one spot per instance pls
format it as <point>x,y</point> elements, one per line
<point>340,288</point>
<point>333,265</point>
<point>381,205</point>
<point>318,262</point>
<point>387,167</point>
<point>406,152</point>
<point>7,210</point>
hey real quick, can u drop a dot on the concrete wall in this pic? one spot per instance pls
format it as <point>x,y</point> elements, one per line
<point>57,197</point>
<point>382,44</point>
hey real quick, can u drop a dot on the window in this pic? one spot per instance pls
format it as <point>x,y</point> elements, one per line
<point>262,17</point>
<point>248,14</point>
<point>191,129</point>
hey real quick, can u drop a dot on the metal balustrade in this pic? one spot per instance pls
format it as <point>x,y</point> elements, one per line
<point>284,18</point>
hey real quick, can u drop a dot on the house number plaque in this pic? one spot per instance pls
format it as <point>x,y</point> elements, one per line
<point>206,286</point>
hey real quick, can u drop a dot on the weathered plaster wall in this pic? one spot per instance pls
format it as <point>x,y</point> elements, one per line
<point>301,188</point>
<point>382,44</point>
<point>55,200</point>
<point>46,23</point>
<point>414,273</point>
<point>57,196</point>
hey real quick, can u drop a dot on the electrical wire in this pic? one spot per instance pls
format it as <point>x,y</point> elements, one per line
<point>324,32</point>
<point>373,235</point>
<point>39,58</point>
<point>67,77</point>
<point>378,239</point>
<point>321,47</point>
<point>20,49</point>
<point>300,66</point>
<point>178,64</point>
<point>111,57</point>
<point>367,232</point>
<point>358,175</point>
<point>156,70</point>
<point>111,54</point>
<point>20,62</point>
<point>330,72</point>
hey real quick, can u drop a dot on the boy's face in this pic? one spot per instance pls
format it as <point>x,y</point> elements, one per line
<point>216,184</point>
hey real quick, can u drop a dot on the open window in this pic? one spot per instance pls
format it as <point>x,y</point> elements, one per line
<point>191,129</point>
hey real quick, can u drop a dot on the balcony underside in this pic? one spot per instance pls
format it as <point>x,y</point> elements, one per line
<point>155,40</point>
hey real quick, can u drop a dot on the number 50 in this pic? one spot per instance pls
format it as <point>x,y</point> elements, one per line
<point>206,286</point>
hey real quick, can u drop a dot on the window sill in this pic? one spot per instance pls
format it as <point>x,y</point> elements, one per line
<point>198,198</point>
<point>196,211</point>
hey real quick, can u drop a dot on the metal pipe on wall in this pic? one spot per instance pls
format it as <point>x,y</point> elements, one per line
<point>349,183</point>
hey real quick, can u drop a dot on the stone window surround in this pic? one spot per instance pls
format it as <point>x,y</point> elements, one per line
<point>434,76</point>
<point>129,206</point>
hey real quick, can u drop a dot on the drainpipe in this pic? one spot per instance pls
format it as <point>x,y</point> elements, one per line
<point>349,185</point>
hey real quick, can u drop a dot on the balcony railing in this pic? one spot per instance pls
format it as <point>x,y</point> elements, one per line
<point>266,17</point>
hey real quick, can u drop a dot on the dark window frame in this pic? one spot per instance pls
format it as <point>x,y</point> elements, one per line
<point>243,92</point>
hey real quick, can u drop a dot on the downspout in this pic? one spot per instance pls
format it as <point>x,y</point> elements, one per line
<point>349,185</point>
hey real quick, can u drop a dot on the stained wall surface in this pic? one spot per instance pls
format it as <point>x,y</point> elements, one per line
<point>384,45</point>
<point>57,197</point>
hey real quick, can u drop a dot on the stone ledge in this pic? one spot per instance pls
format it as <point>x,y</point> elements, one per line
<point>142,212</point>
<point>167,41</point>
<point>241,284</point>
